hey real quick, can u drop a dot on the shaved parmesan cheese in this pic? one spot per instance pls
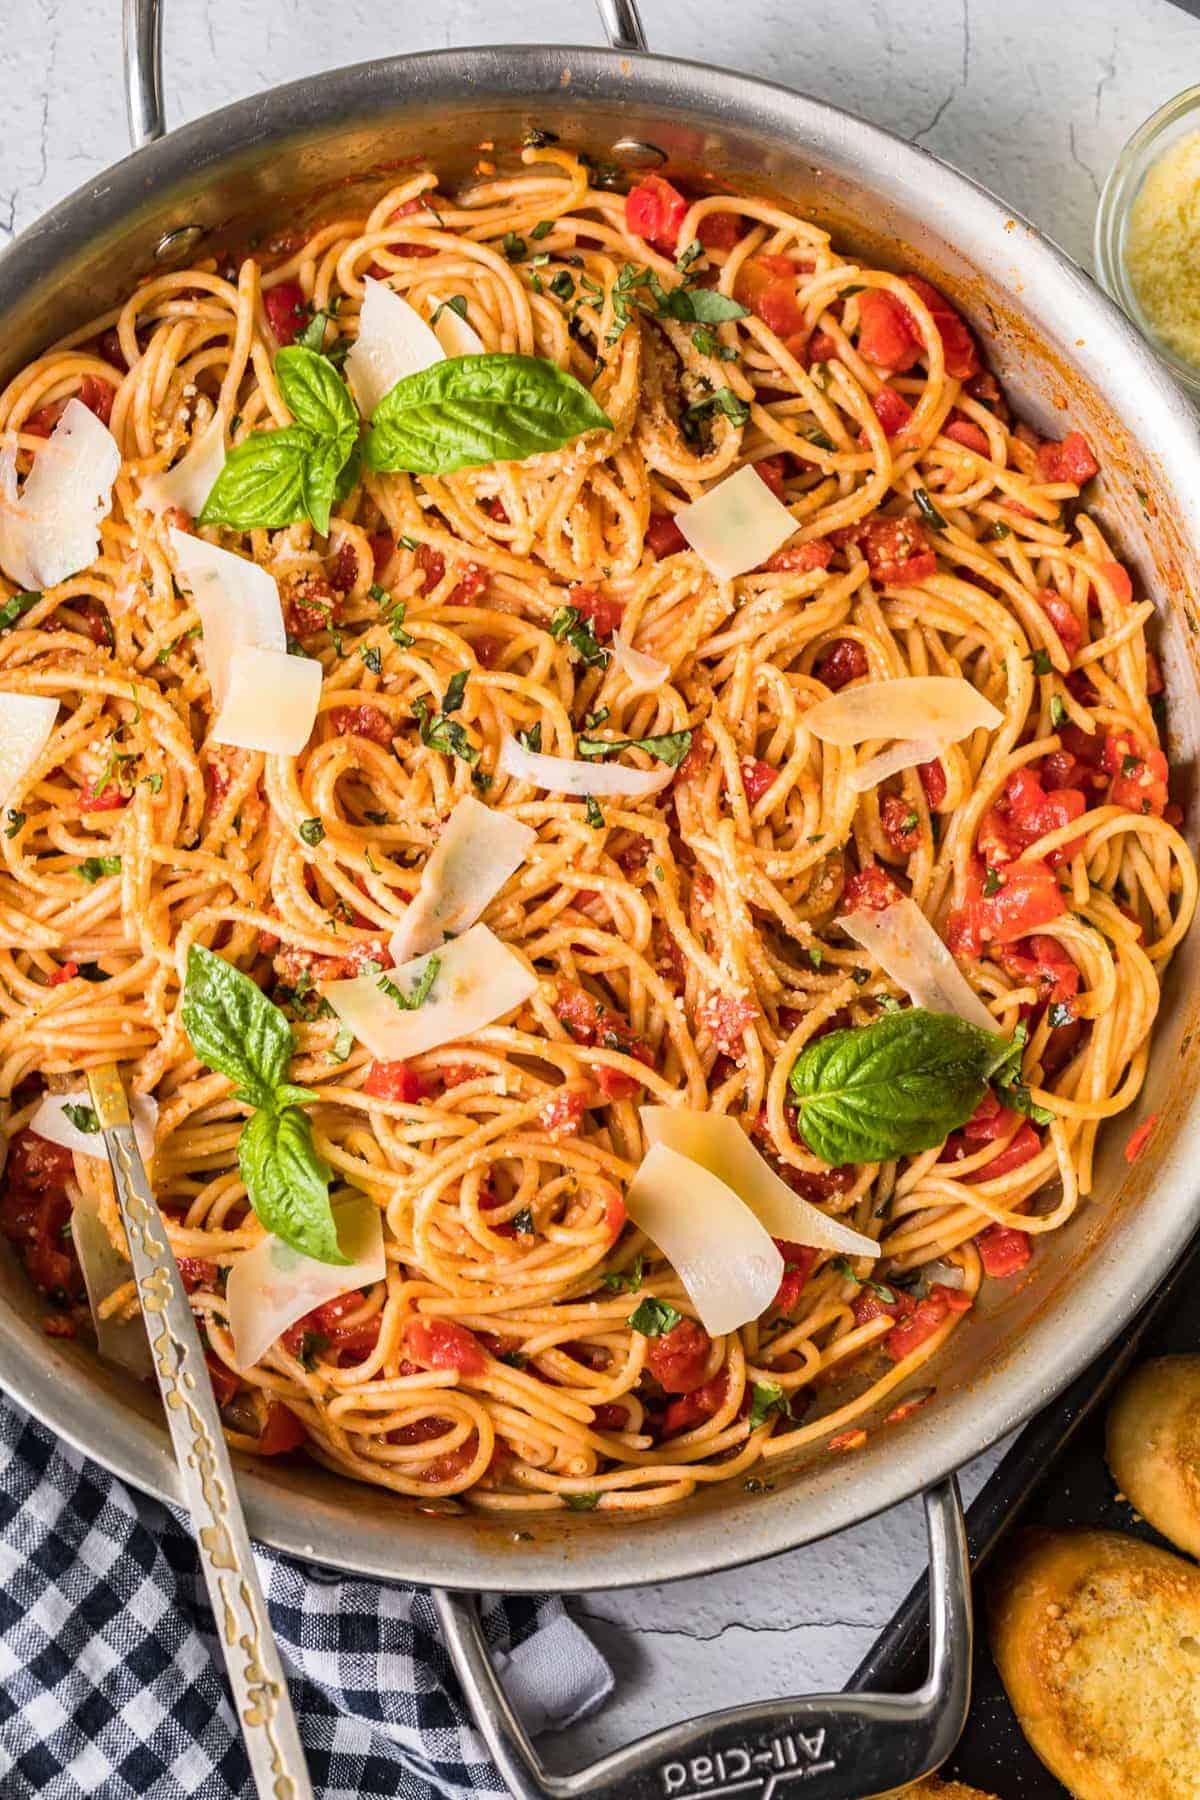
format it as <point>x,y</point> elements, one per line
<point>271,703</point>
<point>238,604</point>
<point>272,1286</point>
<point>53,529</point>
<point>906,947</point>
<point>191,481</point>
<point>562,775</point>
<point>51,1122</point>
<point>716,1246</point>
<point>717,1143</point>
<point>933,708</point>
<point>908,754</point>
<point>478,980</point>
<point>642,672</point>
<point>26,721</point>
<point>736,525</point>
<point>478,850</point>
<point>123,1342</point>
<point>393,341</point>
<point>456,336</point>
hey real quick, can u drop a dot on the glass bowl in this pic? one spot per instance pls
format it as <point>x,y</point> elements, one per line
<point>1172,121</point>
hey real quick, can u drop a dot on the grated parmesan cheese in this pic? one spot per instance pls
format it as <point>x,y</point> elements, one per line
<point>1162,247</point>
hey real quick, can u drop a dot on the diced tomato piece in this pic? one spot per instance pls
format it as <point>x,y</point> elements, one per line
<point>66,972</point>
<point>1139,1138</point>
<point>108,799</point>
<point>1139,776</point>
<point>692,1409</point>
<point>287,310</point>
<point>841,662</point>
<point>432,564</point>
<point>663,536</point>
<point>1026,897</point>
<point>398,1081</point>
<point>822,346</point>
<point>933,780</point>
<point>472,580</point>
<point>35,1211</point>
<point>98,397</point>
<point>767,285</point>
<point>726,1017</point>
<point>495,509</point>
<point>310,603</point>
<point>772,470</point>
<point>418,204</point>
<point>196,1272</point>
<point>678,1358</point>
<point>969,435</point>
<point>801,558</point>
<point>562,1114</point>
<point>327,1322</point>
<point>892,410</point>
<point>281,1432</point>
<point>799,1261</point>
<point>898,551</point>
<point>614,1216</point>
<point>989,1121</point>
<point>1024,813</point>
<point>436,1343</point>
<point>655,210</point>
<point>757,777</point>
<point>887,335</point>
<point>719,230</point>
<point>958,346</point>
<point>383,548</point>
<point>590,1022</point>
<point>343,567</point>
<point>901,826</point>
<point>1061,615</point>
<point>1119,579</point>
<point>1025,1145</point>
<point>1042,960</point>
<point>871,890</point>
<point>1003,1251</point>
<point>1070,460</point>
<point>42,422</point>
<point>927,1316</point>
<point>363,721</point>
<point>602,612</point>
<point>225,1383</point>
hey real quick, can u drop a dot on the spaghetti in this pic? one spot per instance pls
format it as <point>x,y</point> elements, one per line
<point>684,943</point>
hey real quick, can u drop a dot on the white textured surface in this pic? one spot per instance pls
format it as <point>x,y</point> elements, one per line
<point>1032,98</point>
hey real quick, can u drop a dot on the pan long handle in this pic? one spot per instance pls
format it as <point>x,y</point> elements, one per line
<point>141,27</point>
<point>834,1746</point>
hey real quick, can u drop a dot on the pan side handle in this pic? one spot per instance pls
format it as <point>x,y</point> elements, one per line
<point>141,36</point>
<point>825,1746</point>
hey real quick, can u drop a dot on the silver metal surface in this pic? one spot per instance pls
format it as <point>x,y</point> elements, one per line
<point>840,1746</point>
<point>622,26</point>
<point>207,1485</point>
<point>1065,355</point>
<point>141,31</point>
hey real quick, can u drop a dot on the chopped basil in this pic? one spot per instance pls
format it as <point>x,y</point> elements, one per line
<point>626,1281</point>
<point>373,657</point>
<point>724,400</point>
<point>569,626</point>
<point>447,735</point>
<point>523,1221</point>
<point>562,287</point>
<point>928,510</point>
<point>312,830</point>
<point>671,747</point>
<point>15,821</point>
<point>653,1317</point>
<point>413,1001</point>
<point>514,247</point>
<point>1058,711</point>
<point>693,253</point>
<point>455,689</point>
<point>93,867</point>
<point>342,1045</point>
<point>992,883</point>
<point>83,1118</point>
<point>594,720</point>
<point>1059,1013</point>
<point>379,595</point>
<point>542,229</point>
<point>1041,663</point>
<point>581,1502</point>
<point>457,303</point>
<point>16,608</point>
<point>531,739</point>
<point>997,530</point>
<point>153,781</point>
<point>592,813</point>
<point>766,1397</point>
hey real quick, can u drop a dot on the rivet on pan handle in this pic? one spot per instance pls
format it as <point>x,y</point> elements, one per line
<point>828,1746</point>
<point>141,31</point>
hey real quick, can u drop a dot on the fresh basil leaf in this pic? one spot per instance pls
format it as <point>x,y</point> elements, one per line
<point>592,813</point>
<point>926,508</point>
<point>233,1027</point>
<point>262,483</point>
<point>472,410</point>
<point>531,739</point>
<point>766,1397</point>
<point>446,735</point>
<point>671,747</point>
<point>288,1183</point>
<point>455,689</point>
<point>83,1118</point>
<point>724,400</point>
<point>313,335</point>
<point>626,1281</point>
<point>319,481</point>
<point>891,1088</point>
<point>701,306</point>
<point>653,1317</point>
<point>316,393</point>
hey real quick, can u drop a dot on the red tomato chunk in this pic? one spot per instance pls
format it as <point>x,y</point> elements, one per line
<point>287,310</point>
<point>1003,1251</point>
<point>436,1343</point>
<point>1071,460</point>
<point>663,536</point>
<point>655,210</point>
<point>677,1360</point>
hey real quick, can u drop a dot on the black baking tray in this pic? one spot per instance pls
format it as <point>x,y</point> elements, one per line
<point>1054,1475</point>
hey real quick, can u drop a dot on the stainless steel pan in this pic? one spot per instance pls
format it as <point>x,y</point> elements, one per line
<point>1060,348</point>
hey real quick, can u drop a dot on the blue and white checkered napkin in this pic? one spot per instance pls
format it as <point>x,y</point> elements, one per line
<point>111,1683</point>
